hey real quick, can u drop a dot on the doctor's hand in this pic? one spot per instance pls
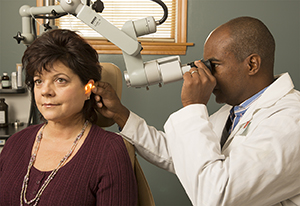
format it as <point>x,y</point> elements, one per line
<point>109,104</point>
<point>198,85</point>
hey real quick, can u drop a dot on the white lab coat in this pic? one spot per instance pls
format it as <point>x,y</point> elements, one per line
<point>259,164</point>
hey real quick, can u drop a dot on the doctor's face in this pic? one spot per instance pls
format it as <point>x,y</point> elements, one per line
<point>228,71</point>
<point>59,94</point>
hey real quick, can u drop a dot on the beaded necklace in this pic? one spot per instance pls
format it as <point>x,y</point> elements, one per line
<point>53,173</point>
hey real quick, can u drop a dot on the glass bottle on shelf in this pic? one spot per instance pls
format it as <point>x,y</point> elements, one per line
<point>5,81</point>
<point>3,113</point>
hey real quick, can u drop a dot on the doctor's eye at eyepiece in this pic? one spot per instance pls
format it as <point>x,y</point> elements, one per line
<point>207,63</point>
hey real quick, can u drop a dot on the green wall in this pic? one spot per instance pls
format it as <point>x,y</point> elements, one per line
<point>282,18</point>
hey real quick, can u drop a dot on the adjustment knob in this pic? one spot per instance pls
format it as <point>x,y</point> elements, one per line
<point>19,37</point>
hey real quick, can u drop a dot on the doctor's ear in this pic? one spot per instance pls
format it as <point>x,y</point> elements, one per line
<point>254,63</point>
<point>88,87</point>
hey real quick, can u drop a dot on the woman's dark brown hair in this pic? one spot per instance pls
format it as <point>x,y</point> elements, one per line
<point>73,51</point>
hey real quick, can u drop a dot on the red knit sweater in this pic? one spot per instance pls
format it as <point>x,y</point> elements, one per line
<point>100,173</point>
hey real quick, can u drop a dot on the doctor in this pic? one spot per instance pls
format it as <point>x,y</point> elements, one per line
<point>247,153</point>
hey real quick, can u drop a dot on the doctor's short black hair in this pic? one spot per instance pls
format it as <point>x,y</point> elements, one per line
<point>73,51</point>
<point>251,36</point>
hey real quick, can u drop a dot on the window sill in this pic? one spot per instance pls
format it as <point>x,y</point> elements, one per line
<point>154,48</point>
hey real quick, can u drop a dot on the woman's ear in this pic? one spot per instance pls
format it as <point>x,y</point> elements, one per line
<point>88,87</point>
<point>254,63</point>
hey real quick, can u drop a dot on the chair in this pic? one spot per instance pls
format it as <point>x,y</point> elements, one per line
<point>112,74</point>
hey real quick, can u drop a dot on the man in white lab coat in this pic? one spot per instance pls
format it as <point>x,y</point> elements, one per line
<point>254,160</point>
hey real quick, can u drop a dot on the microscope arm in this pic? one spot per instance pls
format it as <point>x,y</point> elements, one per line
<point>87,16</point>
<point>125,39</point>
<point>27,13</point>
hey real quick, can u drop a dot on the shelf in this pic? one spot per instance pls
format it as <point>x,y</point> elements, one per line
<point>13,91</point>
<point>6,132</point>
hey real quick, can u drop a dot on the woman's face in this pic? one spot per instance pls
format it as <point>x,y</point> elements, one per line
<point>59,94</point>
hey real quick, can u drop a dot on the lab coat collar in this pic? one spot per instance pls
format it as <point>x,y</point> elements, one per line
<point>280,87</point>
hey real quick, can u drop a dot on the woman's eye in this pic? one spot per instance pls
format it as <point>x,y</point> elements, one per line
<point>60,80</point>
<point>37,82</point>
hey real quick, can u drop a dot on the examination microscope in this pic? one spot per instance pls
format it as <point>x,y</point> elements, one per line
<point>139,73</point>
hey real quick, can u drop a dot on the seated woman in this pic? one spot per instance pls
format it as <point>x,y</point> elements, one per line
<point>67,160</point>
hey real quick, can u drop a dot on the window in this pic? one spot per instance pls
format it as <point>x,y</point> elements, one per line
<point>170,38</point>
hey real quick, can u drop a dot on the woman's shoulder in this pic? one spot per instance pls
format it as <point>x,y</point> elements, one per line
<point>109,145</point>
<point>104,137</point>
<point>98,131</point>
<point>103,146</point>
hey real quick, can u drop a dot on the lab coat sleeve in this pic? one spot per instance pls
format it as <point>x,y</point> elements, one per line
<point>148,141</point>
<point>262,167</point>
